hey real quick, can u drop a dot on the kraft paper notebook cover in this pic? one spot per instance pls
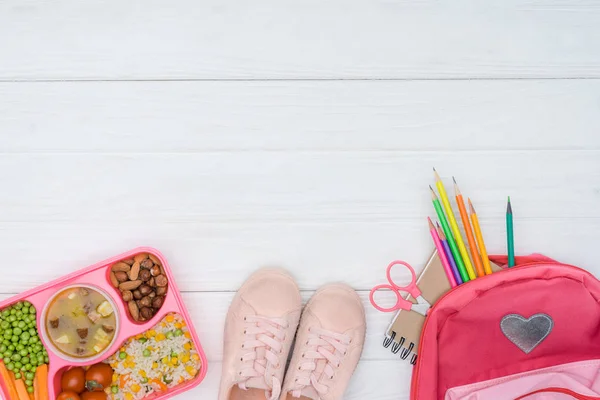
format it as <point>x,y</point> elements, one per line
<point>405,330</point>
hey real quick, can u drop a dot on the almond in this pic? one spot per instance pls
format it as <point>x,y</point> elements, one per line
<point>140,257</point>
<point>129,261</point>
<point>120,266</point>
<point>134,310</point>
<point>135,271</point>
<point>154,259</point>
<point>130,285</point>
<point>113,279</point>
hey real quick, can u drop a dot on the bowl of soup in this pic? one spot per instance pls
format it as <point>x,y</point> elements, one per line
<point>80,322</point>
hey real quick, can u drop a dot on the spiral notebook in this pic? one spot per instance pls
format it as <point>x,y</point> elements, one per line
<point>403,334</point>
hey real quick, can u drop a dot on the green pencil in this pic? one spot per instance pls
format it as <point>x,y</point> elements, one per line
<point>453,247</point>
<point>510,239</point>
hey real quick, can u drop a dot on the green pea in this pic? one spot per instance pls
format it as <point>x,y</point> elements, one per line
<point>10,366</point>
<point>13,311</point>
<point>6,360</point>
<point>33,368</point>
<point>46,360</point>
<point>18,375</point>
<point>19,314</point>
<point>114,389</point>
<point>146,353</point>
<point>169,335</point>
<point>29,382</point>
<point>40,358</point>
<point>24,368</point>
<point>144,380</point>
<point>18,306</point>
<point>122,355</point>
<point>29,376</point>
<point>26,303</point>
<point>25,310</point>
<point>3,348</point>
<point>178,332</point>
<point>143,340</point>
<point>14,339</point>
<point>5,313</point>
<point>30,389</point>
<point>21,324</point>
<point>24,335</point>
<point>12,317</point>
<point>11,347</point>
<point>5,324</point>
<point>17,331</point>
<point>32,332</point>
<point>25,360</point>
<point>16,357</point>
<point>32,311</point>
<point>18,365</point>
<point>8,333</point>
<point>20,347</point>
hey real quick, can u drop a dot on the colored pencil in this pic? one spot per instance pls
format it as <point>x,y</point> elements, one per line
<point>457,236</point>
<point>454,249</point>
<point>482,250</point>
<point>510,239</point>
<point>453,267</point>
<point>468,231</point>
<point>441,253</point>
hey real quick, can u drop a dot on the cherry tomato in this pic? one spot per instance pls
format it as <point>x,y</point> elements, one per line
<point>98,377</point>
<point>73,380</point>
<point>68,396</point>
<point>94,396</point>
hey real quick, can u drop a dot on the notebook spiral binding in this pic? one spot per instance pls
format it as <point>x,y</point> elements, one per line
<point>389,340</point>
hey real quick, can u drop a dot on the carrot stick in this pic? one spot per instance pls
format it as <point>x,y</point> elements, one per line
<point>8,382</point>
<point>40,383</point>
<point>21,389</point>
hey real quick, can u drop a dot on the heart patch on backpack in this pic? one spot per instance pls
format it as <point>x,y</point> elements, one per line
<point>526,333</point>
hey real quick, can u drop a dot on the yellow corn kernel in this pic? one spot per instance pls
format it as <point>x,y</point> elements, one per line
<point>187,346</point>
<point>135,388</point>
<point>178,326</point>
<point>165,360</point>
<point>115,378</point>
<point>160,337</point>
<point>151,333</point>
<point>191,370</point>
<point>195,357</point>
<point>181,380</point>
<point>143,373</point>
<point>128,396</point>
<point>154,365</point>
<point>187,335</point>
<point>174,360</point>
<point>170,318</point>
<point>185,358</point>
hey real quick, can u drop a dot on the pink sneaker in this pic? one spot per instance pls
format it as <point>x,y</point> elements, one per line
<point>259,331</point>
<point>328,346</point>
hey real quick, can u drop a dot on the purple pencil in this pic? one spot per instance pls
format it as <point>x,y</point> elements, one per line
<point>449,255</point>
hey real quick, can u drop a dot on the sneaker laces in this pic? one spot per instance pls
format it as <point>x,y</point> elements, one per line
<point>323,356</point>
<point>264,344</point>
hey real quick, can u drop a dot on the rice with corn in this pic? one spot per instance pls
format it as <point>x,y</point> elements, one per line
<point>155,361</point>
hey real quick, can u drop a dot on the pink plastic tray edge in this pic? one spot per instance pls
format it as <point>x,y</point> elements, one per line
<point>172,288</point>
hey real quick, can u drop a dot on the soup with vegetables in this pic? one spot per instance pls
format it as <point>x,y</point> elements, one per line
<point>81,322</point>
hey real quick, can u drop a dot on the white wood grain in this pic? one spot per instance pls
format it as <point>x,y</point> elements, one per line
<point>358,39</point>
<point>180,117</point>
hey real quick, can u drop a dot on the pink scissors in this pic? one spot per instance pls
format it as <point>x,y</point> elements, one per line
<point>422,305</point>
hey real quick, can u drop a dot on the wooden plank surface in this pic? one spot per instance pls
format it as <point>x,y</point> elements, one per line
<point>182,117</point>
<point>358,39</point>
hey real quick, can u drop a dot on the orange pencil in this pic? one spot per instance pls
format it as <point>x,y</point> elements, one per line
<point>468,230</point>
<point>482,249</point>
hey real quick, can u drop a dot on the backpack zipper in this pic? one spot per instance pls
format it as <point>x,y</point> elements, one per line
<point>415,377</point>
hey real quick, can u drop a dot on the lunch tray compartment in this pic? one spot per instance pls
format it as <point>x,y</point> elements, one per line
<point>98,275</point>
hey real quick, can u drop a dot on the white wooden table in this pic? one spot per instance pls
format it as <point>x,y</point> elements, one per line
<point>234,134</point>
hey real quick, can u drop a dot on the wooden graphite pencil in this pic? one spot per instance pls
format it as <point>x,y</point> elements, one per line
<point>457,236</point>
<point>468,231</point>
<point>453,248</point>
<point>482,250</point>
<point>441,253</point>
<point>510,239</point>
<point>453,267</point>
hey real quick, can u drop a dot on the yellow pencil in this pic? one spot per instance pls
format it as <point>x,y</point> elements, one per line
<point>482,250</point>
<point>455,230</point>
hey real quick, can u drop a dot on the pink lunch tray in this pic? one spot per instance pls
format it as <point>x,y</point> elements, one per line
<point>98,275</point>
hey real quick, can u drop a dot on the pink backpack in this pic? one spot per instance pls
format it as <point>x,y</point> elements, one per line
<point>529,332</point>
